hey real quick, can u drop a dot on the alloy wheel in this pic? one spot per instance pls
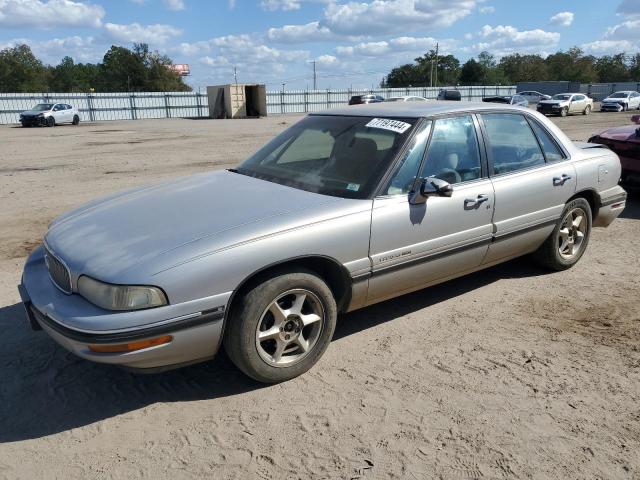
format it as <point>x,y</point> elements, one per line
<point>572,233</point>
<point>290,327</point>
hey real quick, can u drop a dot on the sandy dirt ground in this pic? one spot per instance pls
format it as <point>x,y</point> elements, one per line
<point>512,372</point>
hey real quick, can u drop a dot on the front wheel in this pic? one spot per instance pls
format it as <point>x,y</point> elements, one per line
<point>569,239</point>
<point>76,120</point>
<point>564,112</point>
<point>51,122</point>
<point>587,110</point>
<point>281,327</point>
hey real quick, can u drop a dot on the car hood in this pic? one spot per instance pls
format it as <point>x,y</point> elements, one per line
<point>35,112</point>
<point>614,100</point>
<point>151,227</point>
<point>554,102</point>
<point>627,133</point>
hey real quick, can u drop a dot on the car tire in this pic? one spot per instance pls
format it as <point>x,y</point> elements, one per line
<point>270,348</point>
<point>587,110</point>
<point>76,120</point>
<point>25,125</point>
<point>50,122</point>
<point>564,112</point>
<point>569,239</point>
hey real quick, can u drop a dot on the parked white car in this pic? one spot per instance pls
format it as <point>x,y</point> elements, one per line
<point>406,98</point>
<point>621,101</point>
<point>564,104</point>
<point>50,115</point>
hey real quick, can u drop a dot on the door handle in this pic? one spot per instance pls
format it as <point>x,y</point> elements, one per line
<point>559,181</point>
<point>470,203</point>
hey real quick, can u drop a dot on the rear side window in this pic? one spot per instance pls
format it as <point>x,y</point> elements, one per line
<point>549,146</point>
<point>512,143</point>
<point>453,154</point>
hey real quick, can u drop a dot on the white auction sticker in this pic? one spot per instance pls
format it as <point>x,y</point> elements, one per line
<point>388,124</point>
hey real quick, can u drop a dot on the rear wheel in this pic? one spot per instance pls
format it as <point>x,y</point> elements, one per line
<point>568,241</point>
<point>76,120</point>
<point>587,110</point>
<point>51,122</point>
<point>282,326</point>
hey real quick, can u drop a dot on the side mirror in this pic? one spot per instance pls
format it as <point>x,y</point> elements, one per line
<point>431,187</point>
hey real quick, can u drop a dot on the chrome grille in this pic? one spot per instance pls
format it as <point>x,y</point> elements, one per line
<point>58,272</point>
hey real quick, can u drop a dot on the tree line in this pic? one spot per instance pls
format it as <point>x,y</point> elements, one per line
<point>121,70</point>
<point>572,65</point>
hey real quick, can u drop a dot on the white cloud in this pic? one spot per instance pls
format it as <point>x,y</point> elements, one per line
<point>134,32</point>
<point>232,4</point>
<point>610,47</point>
<point>628,30</point>
<point>487,9</point>
<point>629,8</point>
<point>504,39</point>
<point>389,16</point>
<point>310,32</point>
<point>81,49</point>
<point>563,19</point>
<point>49,14</point>
<point>175,5</point>
<point>287,4</point>
<point>393,46</point>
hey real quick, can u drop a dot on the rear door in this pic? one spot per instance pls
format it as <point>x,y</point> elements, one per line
<point>532,179</point>
<point>413,245</point>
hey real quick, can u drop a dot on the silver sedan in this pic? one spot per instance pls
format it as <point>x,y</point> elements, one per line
<point>346,208</point>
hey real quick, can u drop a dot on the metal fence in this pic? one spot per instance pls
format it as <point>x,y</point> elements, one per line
<point>139,105</point>
<point>301,101</point>
<point>111,106</point>
<point>600,91</point>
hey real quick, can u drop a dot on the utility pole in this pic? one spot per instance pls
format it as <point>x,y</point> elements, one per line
<point>437,48</point>
<point>315,83</point>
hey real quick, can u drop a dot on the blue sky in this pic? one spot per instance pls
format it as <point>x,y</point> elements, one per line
<point>353,42</point>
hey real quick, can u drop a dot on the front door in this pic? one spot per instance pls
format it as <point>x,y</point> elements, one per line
<point>414,245</point>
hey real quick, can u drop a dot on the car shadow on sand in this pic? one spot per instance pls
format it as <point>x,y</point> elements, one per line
<point>46,390</point>
<point>632,209</point>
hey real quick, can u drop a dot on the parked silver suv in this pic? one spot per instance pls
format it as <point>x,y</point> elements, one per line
<point>50,115</point>
<point>344,209</point>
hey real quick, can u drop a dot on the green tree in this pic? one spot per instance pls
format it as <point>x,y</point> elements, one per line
<point>404,76</point>
<point>524,68</point>
<point>472,73</point>
<point>448,68</point>
<point>613,68</point>
<point>572,66</point>
<point>21,71</point>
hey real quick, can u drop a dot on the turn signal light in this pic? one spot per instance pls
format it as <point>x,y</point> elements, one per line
<point>131,346</point>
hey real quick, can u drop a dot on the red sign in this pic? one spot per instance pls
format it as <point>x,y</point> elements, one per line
<point>181,69</point>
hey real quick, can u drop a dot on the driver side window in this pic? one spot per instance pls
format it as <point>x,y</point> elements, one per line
<point>453,154</point>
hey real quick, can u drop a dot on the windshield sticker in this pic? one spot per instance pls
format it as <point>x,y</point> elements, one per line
<point>354,187</point>
<point>387,124</point>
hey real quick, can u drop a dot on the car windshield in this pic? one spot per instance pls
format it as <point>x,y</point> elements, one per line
<point>43,107</point>
<point>619,95</point>
<point>341,156</point>
<point>562,96</point>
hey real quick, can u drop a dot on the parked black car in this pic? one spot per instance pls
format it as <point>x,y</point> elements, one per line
<point>450,95</point>
<point>360,99</point>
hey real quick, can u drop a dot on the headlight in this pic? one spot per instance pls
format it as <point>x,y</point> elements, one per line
<point>120,297</point>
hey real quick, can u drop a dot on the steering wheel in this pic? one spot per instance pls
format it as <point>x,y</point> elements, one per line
<point>447,174</point>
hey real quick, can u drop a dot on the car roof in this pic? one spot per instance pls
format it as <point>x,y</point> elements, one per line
<point>416,109</point>
<point>623,91</point>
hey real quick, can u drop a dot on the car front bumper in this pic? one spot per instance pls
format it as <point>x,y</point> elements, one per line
<point>611,107</point>
<point>68,319</point>
<point>33,121</point>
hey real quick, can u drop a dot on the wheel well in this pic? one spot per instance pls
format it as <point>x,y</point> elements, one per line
<point>328,269</point>
<point>591,197</point>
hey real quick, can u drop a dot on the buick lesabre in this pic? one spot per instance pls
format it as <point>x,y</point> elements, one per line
<point>344,209</point>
